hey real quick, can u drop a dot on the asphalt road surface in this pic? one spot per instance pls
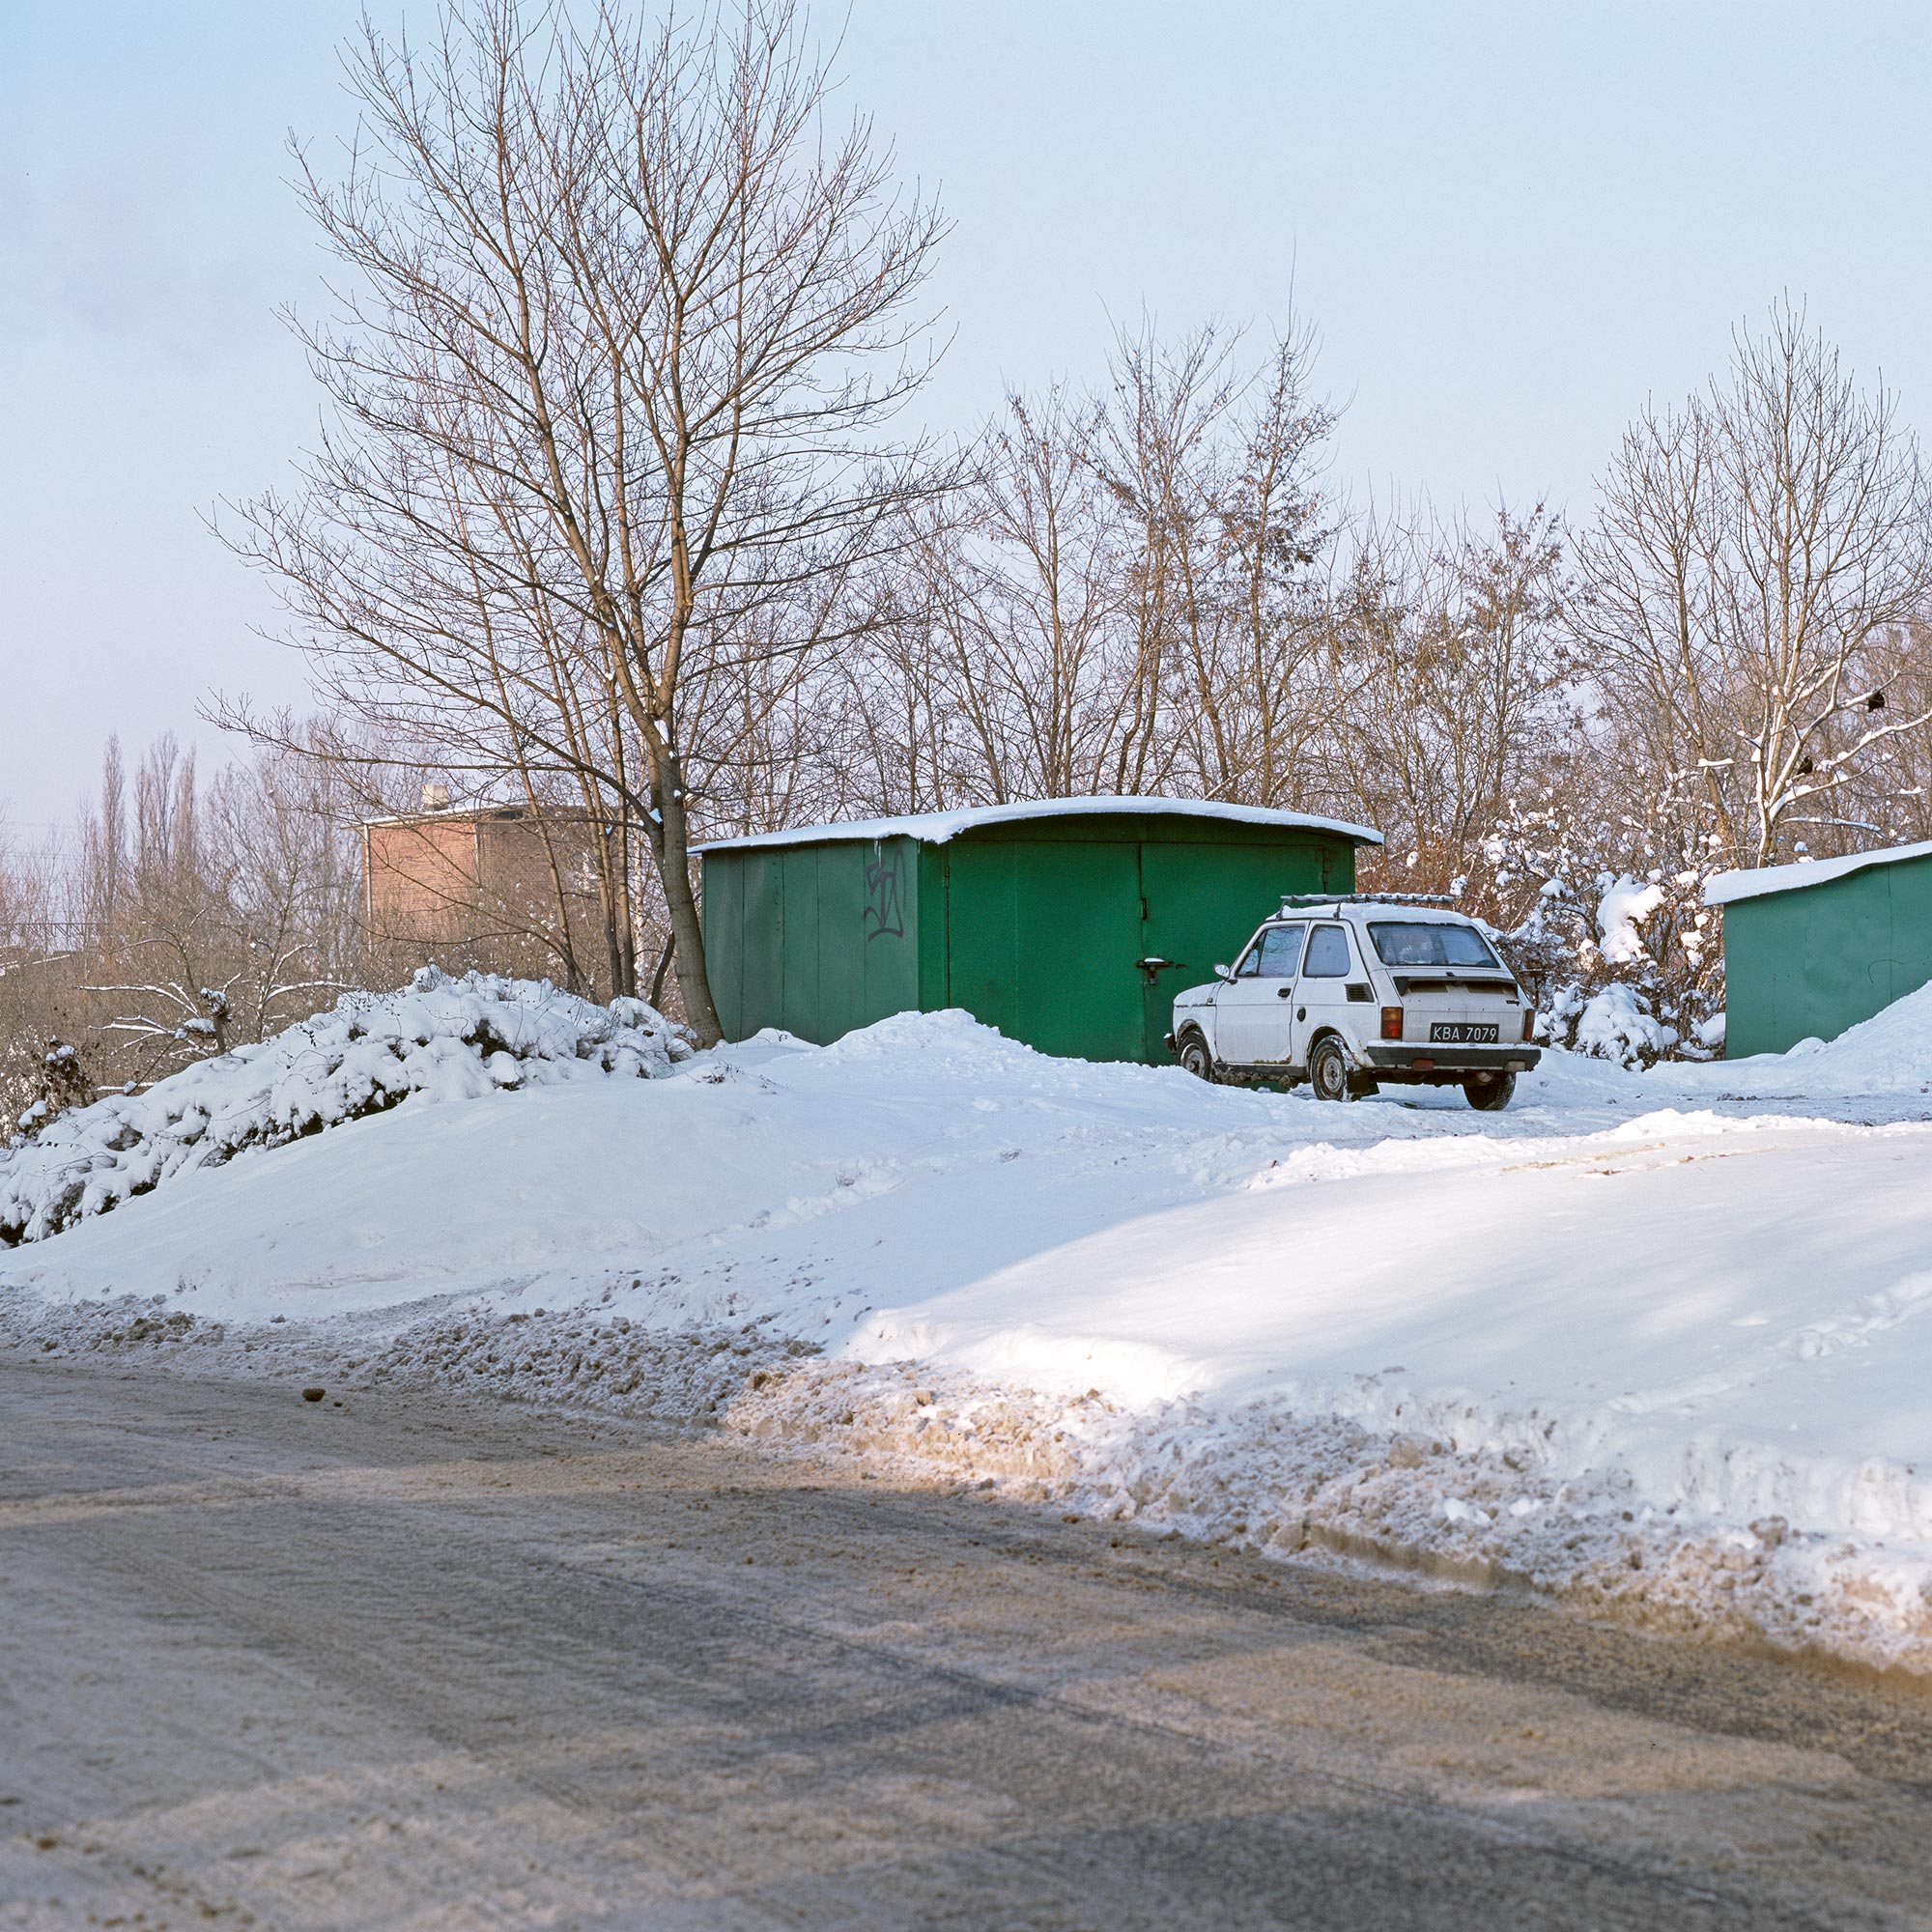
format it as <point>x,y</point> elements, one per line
<point>392,1664</point>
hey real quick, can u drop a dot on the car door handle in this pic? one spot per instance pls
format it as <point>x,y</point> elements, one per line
<point>1284,992</point>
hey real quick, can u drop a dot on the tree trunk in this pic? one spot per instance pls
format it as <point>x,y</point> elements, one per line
<point>687,935</point>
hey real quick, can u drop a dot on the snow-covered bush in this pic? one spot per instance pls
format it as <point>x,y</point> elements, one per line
<point>61,1082</point>
<point>1604,921</point>
<point>439,1038</point>
<point>1615,1023</point>
<point>1621,912</point>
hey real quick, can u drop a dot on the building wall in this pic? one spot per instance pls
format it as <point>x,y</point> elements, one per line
<point>420,876</point>
<point>516,867</point>
<point>1046,927</point>
<point>479,888</point>
<point>1812,961</point>
<point>818,939</point>
<point>1035,927</point>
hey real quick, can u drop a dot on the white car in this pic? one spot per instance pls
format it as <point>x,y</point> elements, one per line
<point>1356,992</point>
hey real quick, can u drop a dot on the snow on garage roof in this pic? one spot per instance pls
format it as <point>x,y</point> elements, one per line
<point>935,827</point>
<point>1755,883</point>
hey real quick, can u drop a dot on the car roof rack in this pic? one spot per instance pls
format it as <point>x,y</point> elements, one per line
<point>1368,898</point>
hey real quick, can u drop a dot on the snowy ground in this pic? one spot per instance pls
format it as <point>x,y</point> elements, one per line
<point>1660,1345</point>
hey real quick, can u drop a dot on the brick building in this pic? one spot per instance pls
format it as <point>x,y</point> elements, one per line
<point>485,885</point>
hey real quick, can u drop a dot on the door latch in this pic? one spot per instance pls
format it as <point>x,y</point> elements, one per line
<point>1154,966</point>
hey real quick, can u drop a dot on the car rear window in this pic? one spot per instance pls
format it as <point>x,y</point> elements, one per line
<point>1434,944</point>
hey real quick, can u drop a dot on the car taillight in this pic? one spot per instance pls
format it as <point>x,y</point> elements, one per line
<point>1391,1022</point>
<point>1528,1023</point>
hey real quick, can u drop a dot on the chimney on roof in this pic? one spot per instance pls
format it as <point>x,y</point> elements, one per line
<point>435,798</point>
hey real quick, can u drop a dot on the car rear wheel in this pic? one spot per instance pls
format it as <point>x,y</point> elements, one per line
<point>1195,1057</point>
<point>1328,1071</point>
<point>1490,1093</point>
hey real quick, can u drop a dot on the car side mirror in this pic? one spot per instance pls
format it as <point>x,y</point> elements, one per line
<point>1226,972</point>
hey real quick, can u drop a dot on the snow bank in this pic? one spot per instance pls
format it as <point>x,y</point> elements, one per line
<point>437,1039</point>
<point>1888,1054</point>
<point>1640,1346</point>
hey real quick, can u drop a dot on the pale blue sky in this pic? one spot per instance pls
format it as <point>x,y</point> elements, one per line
<point>1509,222</point>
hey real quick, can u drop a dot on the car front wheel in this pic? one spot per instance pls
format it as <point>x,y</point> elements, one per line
<point>1195,1059</point>
<point>1490,1093</point>
<point>1328,1071</point>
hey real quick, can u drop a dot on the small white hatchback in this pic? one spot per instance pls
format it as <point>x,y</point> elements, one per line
<point>1355,992</point>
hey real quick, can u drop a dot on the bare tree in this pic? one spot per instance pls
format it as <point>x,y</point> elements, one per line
<point>177,920</point>
<point>1890,796</point>
<point>1756,556</point>
<point>1448,675</point>
<point>1156,442</point>
<point>40,928</point>
<point>1122,596</point>
<point>900,737</point>
<point>235,908</point>
<point>1027,606</point>
<point>1230,511</point>
<point>622,321</point>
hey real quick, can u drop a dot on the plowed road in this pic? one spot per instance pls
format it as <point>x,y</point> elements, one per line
<point>384,1666</point>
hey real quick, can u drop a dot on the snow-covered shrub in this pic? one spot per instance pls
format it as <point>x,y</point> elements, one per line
<point>1620,916</point>
<point>61,1083</point>
<point>1615,1023</point>
<point>439,1038</point>
<point>1604,921</point>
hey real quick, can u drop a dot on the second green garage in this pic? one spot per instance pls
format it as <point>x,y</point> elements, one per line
<point>1068,924</point>
<point>1812,949</point>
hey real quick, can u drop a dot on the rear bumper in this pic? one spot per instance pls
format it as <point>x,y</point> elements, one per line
<point>1415,1058</point>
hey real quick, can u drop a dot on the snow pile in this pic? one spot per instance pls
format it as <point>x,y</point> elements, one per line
<point>1888,1054</point>
<point>439,1038</point>
<point>1309,1484</point>
<point>1638,1345</point>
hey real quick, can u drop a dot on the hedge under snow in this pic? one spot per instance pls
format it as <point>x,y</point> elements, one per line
<point>439,1038</point>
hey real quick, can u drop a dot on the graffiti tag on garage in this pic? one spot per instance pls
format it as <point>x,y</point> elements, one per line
<point>885,908</point>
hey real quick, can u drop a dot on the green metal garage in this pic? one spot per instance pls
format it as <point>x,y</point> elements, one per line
<point>1068,924</point>
<point>1812,949</point>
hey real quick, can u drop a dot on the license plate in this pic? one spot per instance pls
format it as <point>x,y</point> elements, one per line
<point>1461,1033</point>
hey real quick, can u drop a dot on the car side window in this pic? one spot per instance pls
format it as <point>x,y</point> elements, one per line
<point>1281,952</point>
<point>1327,953</point>
<point>1249,963</point>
